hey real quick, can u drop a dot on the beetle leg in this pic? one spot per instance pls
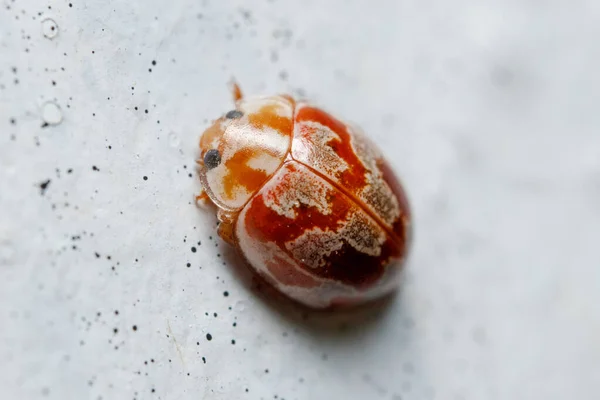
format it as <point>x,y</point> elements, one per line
<point>202,199</point>
<point>225,229</point>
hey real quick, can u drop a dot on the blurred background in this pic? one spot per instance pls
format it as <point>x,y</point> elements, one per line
<point>113,285</point>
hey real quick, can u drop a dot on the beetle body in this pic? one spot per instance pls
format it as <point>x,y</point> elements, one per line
<point>307,200</point>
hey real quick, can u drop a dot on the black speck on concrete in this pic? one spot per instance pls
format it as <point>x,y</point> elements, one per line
<point>43,186</point>
<point>208,336</point>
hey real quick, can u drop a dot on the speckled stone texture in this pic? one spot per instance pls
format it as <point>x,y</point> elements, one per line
<point>113,285</point>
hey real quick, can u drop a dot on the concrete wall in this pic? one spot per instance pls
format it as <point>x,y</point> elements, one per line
<point>487,110</point>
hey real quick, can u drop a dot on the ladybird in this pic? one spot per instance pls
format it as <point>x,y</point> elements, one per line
<point>307,200</point>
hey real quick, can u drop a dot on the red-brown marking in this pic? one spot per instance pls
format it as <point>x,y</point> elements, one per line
<point>344,301</point>
<point>347,264</point>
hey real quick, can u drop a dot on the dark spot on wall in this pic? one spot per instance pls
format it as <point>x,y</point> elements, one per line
<point>193,249</point>
<point>95,168</point>
<point>145,178</point>
<point>208,336</point>
<point>43,186</point>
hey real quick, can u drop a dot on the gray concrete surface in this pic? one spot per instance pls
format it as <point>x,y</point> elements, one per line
<point>489,110</point>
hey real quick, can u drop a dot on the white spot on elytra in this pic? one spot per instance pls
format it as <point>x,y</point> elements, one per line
<point>51,113</point>
<point>290,189</point>
<point>311,146</point>
<point>49,28</point>
<point>314,245</point>
<point>262,162</point>
<point>358,231</point>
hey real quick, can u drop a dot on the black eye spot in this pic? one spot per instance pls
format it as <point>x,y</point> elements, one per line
<point>234,114</point>
<point>212,159</point>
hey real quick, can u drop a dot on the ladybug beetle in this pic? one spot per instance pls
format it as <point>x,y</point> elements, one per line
<point>306,199</point>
